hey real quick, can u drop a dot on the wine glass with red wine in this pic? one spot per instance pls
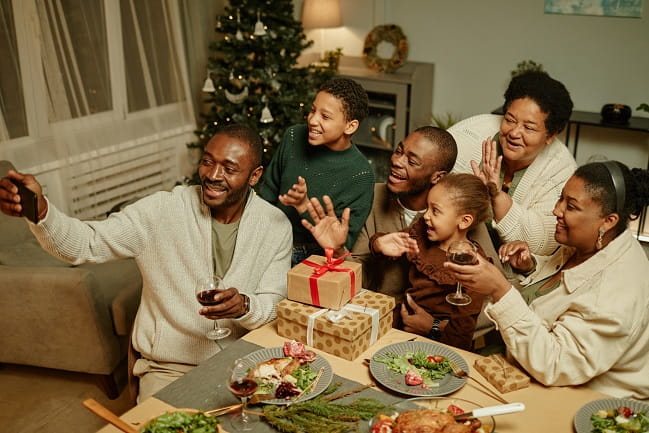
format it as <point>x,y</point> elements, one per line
<point>462,253</point>
<point>206,289</point>
<point>243,386</point>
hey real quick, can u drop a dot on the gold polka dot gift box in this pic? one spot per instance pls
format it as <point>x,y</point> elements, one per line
<point>501,374</point>
<point>345,333</point>
<point>324,281</point>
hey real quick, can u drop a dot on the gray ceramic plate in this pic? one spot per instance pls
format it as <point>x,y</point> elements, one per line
<point>395,381</point>
<point>582,418</point>
<point>262,355</point>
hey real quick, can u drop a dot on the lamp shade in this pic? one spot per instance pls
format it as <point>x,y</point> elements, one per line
<point>321,13</point>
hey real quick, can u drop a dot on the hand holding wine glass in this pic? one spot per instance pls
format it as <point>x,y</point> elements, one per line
<point>206,289</point>
<point>243,387</point>
<point>462,253</point>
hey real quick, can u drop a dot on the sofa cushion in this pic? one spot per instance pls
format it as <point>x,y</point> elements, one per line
<point>29,253</point>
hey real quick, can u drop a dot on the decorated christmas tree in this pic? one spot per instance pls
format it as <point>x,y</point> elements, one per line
<point>253,77</point>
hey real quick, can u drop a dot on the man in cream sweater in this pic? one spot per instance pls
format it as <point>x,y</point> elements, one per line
<point>176,239</point>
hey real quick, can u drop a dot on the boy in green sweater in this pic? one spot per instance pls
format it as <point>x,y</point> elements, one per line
<point>322,159</point>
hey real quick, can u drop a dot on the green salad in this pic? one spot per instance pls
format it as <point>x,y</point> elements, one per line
<point>620,420</point>
<point>181,422</point>
<point>418,367</point>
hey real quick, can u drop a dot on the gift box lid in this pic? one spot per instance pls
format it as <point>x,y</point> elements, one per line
<point>349,328</point>
<point>336,281</point>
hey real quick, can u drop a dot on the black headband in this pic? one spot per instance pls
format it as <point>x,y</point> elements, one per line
<point>618,183</point>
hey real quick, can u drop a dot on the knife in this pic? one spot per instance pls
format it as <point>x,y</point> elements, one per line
<point>500,409</point>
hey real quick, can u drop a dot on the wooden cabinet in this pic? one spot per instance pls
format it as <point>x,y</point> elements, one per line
<point>399,103</point>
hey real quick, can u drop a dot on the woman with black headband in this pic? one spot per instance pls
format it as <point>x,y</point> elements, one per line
<point>582,316</point>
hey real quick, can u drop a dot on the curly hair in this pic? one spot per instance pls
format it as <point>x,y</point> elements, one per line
<point>470,195</point>
<point>550,95</point>
<point>247,135</point>
<point>446,147</point>
<point>352,96</point>
<point>599,185</point>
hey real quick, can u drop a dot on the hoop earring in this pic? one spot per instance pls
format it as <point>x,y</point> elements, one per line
<point>599,244</point>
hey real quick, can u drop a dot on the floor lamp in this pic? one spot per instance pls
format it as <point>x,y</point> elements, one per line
<point>321,14</point>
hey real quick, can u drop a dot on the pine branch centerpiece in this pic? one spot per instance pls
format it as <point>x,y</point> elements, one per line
<point>322,414</point>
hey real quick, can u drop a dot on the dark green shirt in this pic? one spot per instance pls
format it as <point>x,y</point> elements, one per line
<point>345,175</point>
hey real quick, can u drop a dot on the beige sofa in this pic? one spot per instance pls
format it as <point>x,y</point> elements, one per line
<point>54,315</point>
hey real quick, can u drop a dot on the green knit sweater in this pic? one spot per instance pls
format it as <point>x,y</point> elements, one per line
<point>346,176</point>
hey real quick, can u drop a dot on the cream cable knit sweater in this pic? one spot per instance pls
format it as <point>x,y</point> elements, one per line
<point>169,235</point>
<point>530,218</point>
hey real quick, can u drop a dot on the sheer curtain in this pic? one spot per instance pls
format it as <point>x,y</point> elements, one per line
<point>12,107</point>
<point>98,78</point>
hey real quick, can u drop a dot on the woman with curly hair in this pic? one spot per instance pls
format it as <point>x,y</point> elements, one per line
<point>583,314</point>
<point>522,156</point>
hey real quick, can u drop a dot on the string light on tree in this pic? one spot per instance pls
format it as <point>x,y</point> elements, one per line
<point>255,77</point>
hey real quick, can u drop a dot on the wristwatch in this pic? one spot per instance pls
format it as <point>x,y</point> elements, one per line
<point>246,305</point>
<point>435,333</point>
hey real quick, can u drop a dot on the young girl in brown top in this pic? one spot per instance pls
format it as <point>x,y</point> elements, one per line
<point>456,204</point>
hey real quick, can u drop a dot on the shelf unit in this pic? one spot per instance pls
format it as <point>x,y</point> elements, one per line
<point>398,103</point>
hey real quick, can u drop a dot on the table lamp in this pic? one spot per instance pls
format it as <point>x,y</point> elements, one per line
<point>321,14</point>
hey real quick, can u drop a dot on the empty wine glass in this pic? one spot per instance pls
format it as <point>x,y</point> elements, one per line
<point>205,291</point>
<point>462,253</point>
<point>243,386</point>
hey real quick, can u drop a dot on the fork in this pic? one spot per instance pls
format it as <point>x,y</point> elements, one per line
<point>461,374</point>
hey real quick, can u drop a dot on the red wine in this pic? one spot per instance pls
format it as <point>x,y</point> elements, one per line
<point>243,387</point>
<point>206,297</point>
<point>463,258</point>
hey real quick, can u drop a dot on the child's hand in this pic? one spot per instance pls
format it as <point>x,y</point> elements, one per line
<point>296,196</point>
<point>395,244</point>
<point>518,255</point>
<point>328,231</point>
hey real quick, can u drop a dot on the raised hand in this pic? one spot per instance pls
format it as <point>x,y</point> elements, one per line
<point>518,255</point>
<point>296,196</point>
<point>328,231</point>
<point>395,244</point>
<point>491,163</point>
<point>9,198</point>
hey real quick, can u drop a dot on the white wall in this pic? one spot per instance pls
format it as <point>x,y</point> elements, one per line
<point>475,44</point>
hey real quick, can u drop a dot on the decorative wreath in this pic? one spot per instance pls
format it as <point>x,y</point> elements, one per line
<point>386,33</point>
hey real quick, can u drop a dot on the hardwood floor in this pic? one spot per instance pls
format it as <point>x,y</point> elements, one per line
<point>40,400</point>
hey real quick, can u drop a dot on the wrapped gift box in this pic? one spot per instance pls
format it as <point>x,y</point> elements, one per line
<point>324,282</point>
<point>501,374</point>
<point>347,338</point>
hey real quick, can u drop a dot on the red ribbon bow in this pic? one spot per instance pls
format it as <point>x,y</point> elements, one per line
<point>330,266</point>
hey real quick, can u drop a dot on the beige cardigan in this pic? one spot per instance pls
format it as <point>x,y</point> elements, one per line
<point>593,329</point>
<point>169,235</point>
<point>530,218</point>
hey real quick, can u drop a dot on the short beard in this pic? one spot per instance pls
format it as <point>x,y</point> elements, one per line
<point>418,188</point>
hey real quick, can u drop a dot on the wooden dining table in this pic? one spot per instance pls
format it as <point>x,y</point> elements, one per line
<point>547,409</point>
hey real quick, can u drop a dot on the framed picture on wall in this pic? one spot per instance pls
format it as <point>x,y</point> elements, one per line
<point>607,8</point>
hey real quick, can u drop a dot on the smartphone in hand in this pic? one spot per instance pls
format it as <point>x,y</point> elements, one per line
<point>28,202</point>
